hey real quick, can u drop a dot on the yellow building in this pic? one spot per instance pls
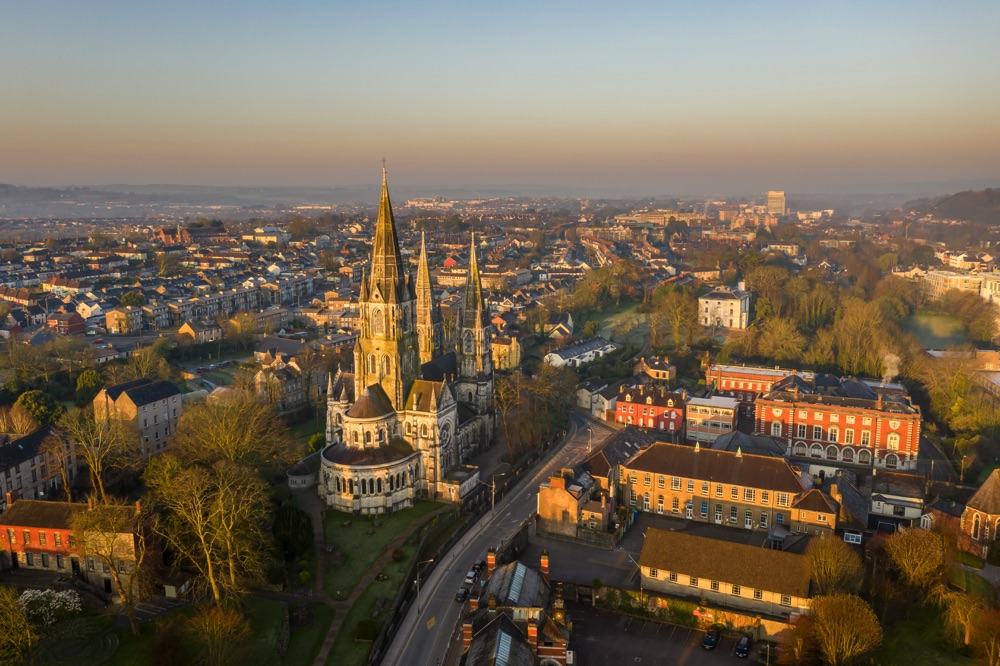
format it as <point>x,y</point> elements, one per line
<point>506,353</point>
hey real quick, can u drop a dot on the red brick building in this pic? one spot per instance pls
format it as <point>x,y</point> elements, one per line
<point>883,431</point>
<point>651,408</point>
<point>745,382</point>
<point>67,323</point>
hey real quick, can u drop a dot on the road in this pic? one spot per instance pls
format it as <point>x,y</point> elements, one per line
<point>425,634</point>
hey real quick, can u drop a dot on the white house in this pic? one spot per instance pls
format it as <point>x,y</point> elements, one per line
<point>725,308</point>
<point>581,352</point>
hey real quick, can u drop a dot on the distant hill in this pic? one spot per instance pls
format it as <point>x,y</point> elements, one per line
<point>976,207</point>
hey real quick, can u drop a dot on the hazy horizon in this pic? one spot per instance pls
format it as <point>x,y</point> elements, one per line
<point>633,98</point>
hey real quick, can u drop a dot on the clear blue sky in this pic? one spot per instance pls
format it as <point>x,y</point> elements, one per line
<point>657,97</point>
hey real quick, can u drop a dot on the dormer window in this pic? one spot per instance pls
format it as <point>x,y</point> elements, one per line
<point>649,400</point>
<point>628,398</point>
<point>670,403</point>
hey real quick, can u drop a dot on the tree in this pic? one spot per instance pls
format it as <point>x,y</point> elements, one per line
<point>679,310</point>
<point>862,335</point>
<point>241,330</point>
<point>45,409</point>
<point>985,638</point>
<point>780,340</point>
<point>17,633</point>
<point>507,399</point>
<point>17,420</point>
<point>845,628</point>
<point>221,634</point>
<point>960,612</point>
<point>167,264</point>
<point>115,535</point>
<point>237,428</point>
<point>148,362</point>
<point>58,454</point>
<point>212,519</point>
<point>88,385</point>
<point>918,556</point>
<point>835,567</point>
<point>104,444</point>
<point>133,298</point>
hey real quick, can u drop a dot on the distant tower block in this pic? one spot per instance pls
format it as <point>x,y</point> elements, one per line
<point>775,203</point>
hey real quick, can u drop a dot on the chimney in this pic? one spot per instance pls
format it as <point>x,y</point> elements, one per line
<point>533,635</point>
<point>557,481</point>
<point>491,561</point>
<point>835,493</point>
<point>545,564</point>
<point>880,401</point>
<point>10,498</point>
<point>466,635</point>
<point>138,507</point>
<point>796,392</point>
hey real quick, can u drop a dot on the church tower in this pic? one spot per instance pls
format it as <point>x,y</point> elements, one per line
<point>428,311</point>
<point>475,359</point>
<point>385,351</point>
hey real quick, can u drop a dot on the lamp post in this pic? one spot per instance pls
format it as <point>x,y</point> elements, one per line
<point>418,582</point>
<point>492,485</point>
<point>590,437</point>
<point>961,478</point>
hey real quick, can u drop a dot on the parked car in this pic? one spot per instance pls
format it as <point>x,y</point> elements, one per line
<point>462,594</point>
<point>479,566</point>
<point>201,371</point>
<point>768,652</point>
<point>743,647</point>
<point>471,577</point>
<point>711,640</point>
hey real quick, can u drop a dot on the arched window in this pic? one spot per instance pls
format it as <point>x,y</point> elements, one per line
<point>381,436</point>
<point>350,483</point>
<point>385,365</point>
<point>865,457</point>
<point>975,527</point>
<point>799,449</point>
<point>470,397</point>
<point>368,437</point>
<point>891,461</point>
<point>892,441</point>
<point>645,502</point>
<point>831,453</point>
<point>409,428</point>
<point>371,364</point>
<point>467,343</point>
<point>364,486</point>
<point>378,484</point>
<point>423,430</point>
<point>848,455</point>
<point>816,451</point>
<point>338,484</point>
<point>776,429</point>
<point>378,322</point>
<point>355,436</point>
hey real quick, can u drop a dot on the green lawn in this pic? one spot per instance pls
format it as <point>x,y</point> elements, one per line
<point>919,641</point>
<point>615,316</point>
<point>970,560</point>
<point>972,583</point>
<point>346,652</point>
<point>360,550</point>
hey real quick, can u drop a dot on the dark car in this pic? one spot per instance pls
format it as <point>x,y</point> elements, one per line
<point>743,647</point>
<point>479,566</point>
<point>462,594</point>
<point>711,640</point>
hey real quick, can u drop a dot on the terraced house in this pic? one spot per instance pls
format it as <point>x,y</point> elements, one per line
<point>726,488</point>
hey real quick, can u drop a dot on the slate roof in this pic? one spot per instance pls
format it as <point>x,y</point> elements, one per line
<point>726,561</point>
<point>372,404</point>
<point>145,394</point>
<point>16,451</point>
<point>572,351</point>
<point>898,484</point>
<point>441,368</point>
<point>518,586</point>
<point>425,396</point>
<point>276,345</point>
<point>114,391</point>
<point>499,642</point>
<point>814,500</point>
<point>987,498</point>
<point>719,466</point>
<point>760,445</point>
<point>616,451</point>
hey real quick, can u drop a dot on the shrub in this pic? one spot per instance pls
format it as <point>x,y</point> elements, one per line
<point>398,555</point>
<point>45,607</point>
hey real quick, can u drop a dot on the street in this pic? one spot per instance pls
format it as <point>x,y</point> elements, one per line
<point>424,636</point>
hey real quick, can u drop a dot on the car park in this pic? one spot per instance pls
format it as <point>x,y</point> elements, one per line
<point>743,645</point>
<point>711,640</point>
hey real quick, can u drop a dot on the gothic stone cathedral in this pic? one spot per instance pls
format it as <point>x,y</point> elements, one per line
<point>404,424</point>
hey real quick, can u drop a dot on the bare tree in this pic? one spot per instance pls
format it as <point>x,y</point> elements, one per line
<point>234,427</point>
<point>918,556</point>
<point>17,420</point>
<point>17,634</point>
<point>835,567</point>
<point>222,634</point>
<point>507,398</point>
<point>115,535</point>
<point>103,445</point>
<point>60,457</point>
<point>986,636</point>
<point>845,628</point>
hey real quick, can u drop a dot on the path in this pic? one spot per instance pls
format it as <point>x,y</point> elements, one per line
<point>342,607</point>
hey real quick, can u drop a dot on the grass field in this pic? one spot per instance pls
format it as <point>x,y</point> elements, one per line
<point>935,331</point>
<point>972,583</point>
<point>359,548</point>
<point>919,641</point>
<point>346,652</point>
<point>614,317</point>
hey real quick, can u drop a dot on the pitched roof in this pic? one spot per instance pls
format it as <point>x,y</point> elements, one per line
<point>145,394</point>
<point>726,561</point>
<point>16,451</point>
<point>519,586</point>
<point>616,451</point>
<point>720,466</point>
<point>114,391</point>
<point>372,404</point>
<point>761,445</point>
<point>987,498</point>
<point>425,396</point>
<point>899,484</point>
<point>814,500</point>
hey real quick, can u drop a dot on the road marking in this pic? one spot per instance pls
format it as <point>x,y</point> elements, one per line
<point>431,622</point>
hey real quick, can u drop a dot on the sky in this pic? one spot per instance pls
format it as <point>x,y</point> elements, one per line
<point>657,97</point>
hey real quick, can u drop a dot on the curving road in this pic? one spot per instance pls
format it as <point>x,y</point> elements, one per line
<point>425,634</point>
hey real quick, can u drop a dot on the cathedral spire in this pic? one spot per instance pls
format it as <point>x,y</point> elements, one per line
<point>387,264</point>
<point>472,299</point>
<point>428,311</point>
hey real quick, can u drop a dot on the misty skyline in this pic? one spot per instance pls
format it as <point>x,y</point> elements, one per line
<point>632,98</point>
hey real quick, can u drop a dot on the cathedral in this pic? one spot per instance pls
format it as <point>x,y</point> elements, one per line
<point>417,407</point>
